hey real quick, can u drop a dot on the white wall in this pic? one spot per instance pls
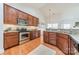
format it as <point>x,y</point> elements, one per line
<point>66,16</point>
<point>1,28</point>
<point>30,10</point>
<point>70,16</point>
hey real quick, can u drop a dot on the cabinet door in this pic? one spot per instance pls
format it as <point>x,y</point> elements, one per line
<point>10,15</point>
<point>63,45</point>
<point>38,33</point>
<point>45,37</point>
<point>33,35</point>
<point>10,40</point>
<point>72,46</point>
<point>22,15</point>
<point>30,20</point>
<point>52,38</point>
<point>35,21</point>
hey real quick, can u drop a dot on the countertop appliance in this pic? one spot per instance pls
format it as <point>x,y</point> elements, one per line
<point>22,22</point>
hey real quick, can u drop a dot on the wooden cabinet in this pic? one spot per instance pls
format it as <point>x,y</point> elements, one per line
<point>39,33</point>
<point>22,15</point>
<point>35,21</point>
<point>11,39</point>
<point>10,15</point>
<point>35,34</point>
<point>30,20</point>
<point>45,37</point>
<point>72,47</point>
<point>63,42</point>
<point>52,38</point>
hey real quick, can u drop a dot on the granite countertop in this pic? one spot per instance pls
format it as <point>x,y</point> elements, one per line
<point>75,37</point>
<point>10,31</point>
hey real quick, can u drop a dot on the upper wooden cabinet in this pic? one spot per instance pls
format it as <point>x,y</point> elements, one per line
<point>35,21</point>
<point>30,20</point>
<point>10,15</point>
<point>22,15</point>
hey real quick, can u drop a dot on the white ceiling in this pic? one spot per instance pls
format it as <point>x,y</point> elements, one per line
<point>57,8</point>
<point>33,5</point>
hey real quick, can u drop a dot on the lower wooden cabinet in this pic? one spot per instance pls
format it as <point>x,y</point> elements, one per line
<point>50,37</point>
<point>72,47</point>
<point>11,39</point>
<point>34,34</point>
<point>45,37</point>
<point>63,41</point>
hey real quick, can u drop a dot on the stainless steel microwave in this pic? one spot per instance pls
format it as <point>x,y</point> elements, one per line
<point>22,22</point>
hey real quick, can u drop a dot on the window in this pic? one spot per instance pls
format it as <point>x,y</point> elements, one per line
<point>53,26</point>
<point>66,26</point>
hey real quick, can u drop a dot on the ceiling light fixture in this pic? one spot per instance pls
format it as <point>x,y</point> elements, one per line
<point>51,14</point>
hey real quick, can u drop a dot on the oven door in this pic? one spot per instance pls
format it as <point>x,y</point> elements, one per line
<point>24,36</point>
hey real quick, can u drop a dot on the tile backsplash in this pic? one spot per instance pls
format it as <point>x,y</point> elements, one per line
<point>6,26</point>
<point>14,27</point>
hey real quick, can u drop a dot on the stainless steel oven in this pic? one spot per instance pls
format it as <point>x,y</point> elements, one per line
<point>24,36</point>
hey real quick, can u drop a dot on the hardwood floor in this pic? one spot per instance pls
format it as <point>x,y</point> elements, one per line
<point>58,51</point>
<point>26,48</point>
<point>23,49</point>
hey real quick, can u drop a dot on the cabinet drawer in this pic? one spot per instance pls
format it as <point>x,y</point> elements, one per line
<point>62,35</point>
<point>10,41</point>
<point>52,41</point>
<point>52,34</point>
<point>11,34</point>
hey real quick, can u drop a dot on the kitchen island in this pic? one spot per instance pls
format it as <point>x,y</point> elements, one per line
<point>66,42</point>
